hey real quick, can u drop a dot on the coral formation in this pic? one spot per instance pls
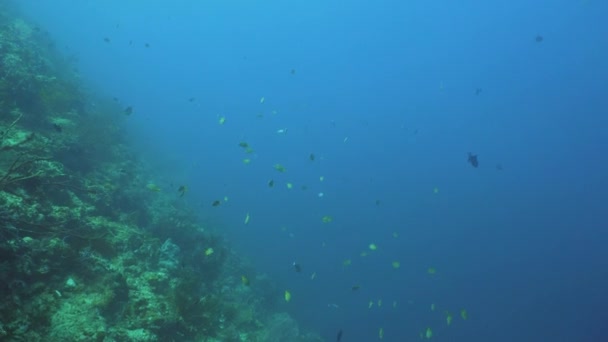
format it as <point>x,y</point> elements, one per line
<point>87,252</point>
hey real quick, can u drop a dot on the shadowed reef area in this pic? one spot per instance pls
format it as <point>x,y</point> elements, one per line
<point>88,252</point>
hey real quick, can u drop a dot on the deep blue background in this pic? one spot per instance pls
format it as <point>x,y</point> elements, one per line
<point>522,249</point>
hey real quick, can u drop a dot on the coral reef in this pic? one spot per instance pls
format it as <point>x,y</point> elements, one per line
<point>87,251</point>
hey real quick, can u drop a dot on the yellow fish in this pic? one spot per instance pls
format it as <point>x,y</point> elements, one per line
<point>373,247</point>
<point>327,219</point>
<point>247,217</point>
<point>381,333</point>
<point>244,280</point>
<point>396,264</point>
<point>153,187</point>
<point>221,120</point>
<point>431,270</point>
<point>448,318</point>
<point>429,333</point>
<point>287,296</point>
<point>464,314</point>
<point>208,251</point>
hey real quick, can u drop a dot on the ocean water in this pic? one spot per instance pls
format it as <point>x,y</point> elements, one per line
<point>389,97</point>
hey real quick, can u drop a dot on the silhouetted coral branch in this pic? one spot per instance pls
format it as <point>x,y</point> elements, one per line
<point>13,174</point>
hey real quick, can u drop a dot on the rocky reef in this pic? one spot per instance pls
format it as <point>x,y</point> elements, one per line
<point>88,252</point>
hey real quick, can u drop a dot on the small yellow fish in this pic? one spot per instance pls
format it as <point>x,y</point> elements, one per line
<point>364,254</point>
<point>381,333</point>
<point>246,161</point>
<point>327,219</point>
<point>208,251</point>
<point>225,198</point>
<point>432,307</point>
<point>289,186</point>
<point>431,270</point>
<point>372,247</point>
<point>153,187</point>
<point>347,262</point>
<point>429,333</point>
<point>394,304</point>
<point>379,303</point>
<point>464,314</point>
<point>287,296</point>
<point>395,235</point>
<point>247,217</point>
<point>279,167</point>
<point>245,280</point>
<point>321,179</point>
<point>262,99</point>
<point>448,317</point>
<point>313,276</point>
<point>435,190</point>
<point>370,304</point>
<point>396,264</point>
<point>221,120</point>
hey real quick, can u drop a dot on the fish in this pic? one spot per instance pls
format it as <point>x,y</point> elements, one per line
<point>339,336</point>
<point>129,110</point>
<point>297,267</point>
<point>57,127</point>
<point>216,203</point>
<point>106,39</point>
<point>473,160</point>
<point>539,38</point>
<point>355,287</point>
<point>270,183</point>
<point>245,280</point>
<point>311,157</point>
<point>477,91</point>
<point>182,190</point>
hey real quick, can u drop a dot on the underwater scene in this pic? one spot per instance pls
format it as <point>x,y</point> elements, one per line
<point>303,171</point>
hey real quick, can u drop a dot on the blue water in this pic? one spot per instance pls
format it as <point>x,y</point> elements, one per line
<point>384,95</point>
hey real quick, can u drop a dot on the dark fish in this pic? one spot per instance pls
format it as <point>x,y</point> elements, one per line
<point>147,45</point>
<point>378,202</point>
<point>129,110</point>
<point>216,203</point>
<point>293,71</point>
<point>355,287</point>
<point>499,167</point>
<point>311,157</point>
<point>191,99</point>
<point>339,336</point>
<point>473,160</point>
<point>243,144</point>
<point>57,127</point>
<point>477,91</point>
<point>539,38</point>
<point>270,183</point>
<point>106,39</point>
<point>297,267</point>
